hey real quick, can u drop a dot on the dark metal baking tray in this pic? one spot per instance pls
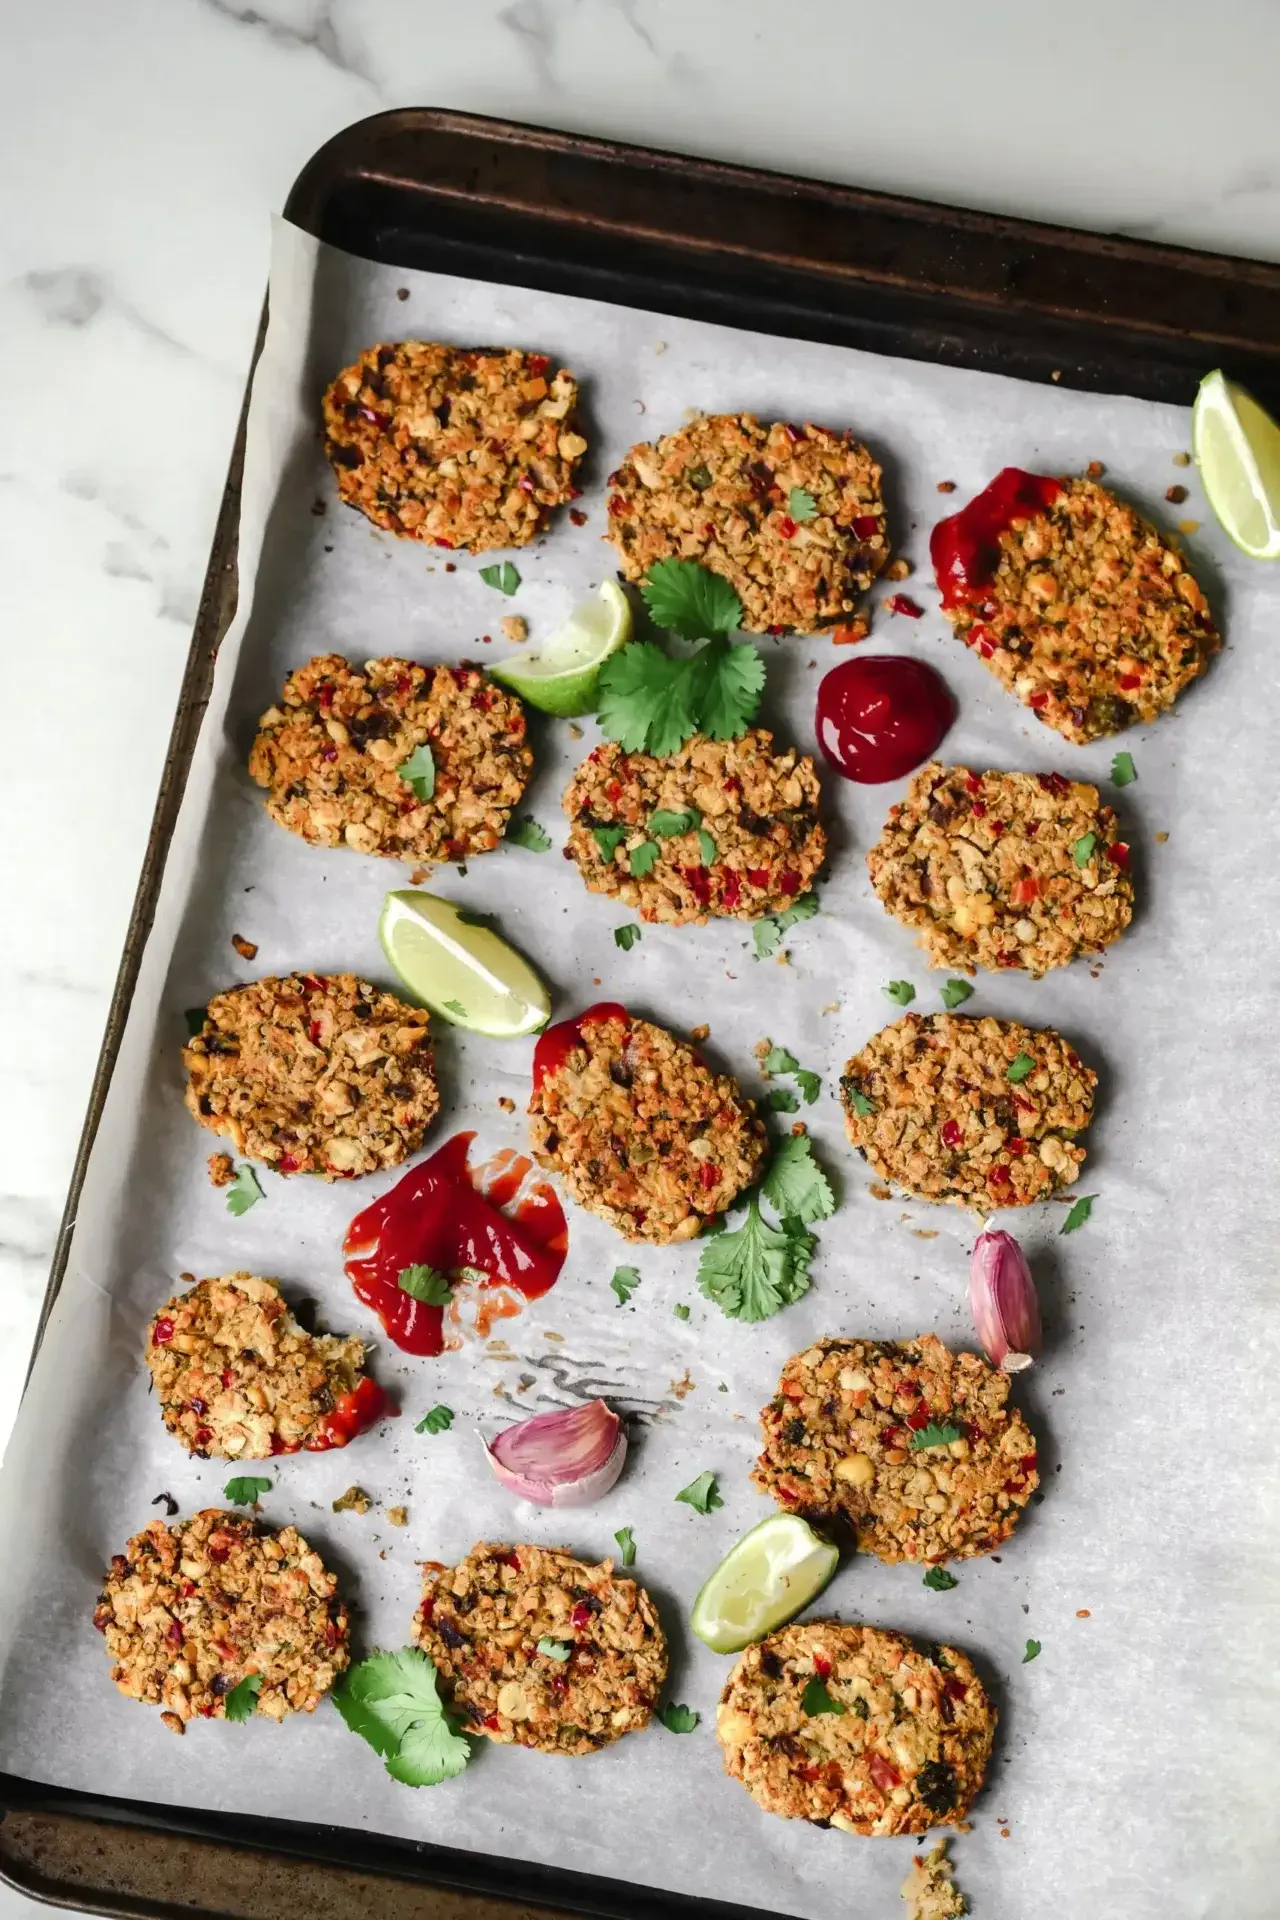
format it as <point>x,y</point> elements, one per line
<point>797,258</point>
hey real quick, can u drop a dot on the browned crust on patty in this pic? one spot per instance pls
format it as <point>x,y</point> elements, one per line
<point>314,1073</point>
<point>718,491</point>
<point>909,1751</point>
<point>844,1433</point>
<point>758,806</point>
<point>945,1121</point>
<point>481,1622</point>
<point>455,447</point>
<point>1003,870</point>
<point>330,756</point>
<point>190,1610</point>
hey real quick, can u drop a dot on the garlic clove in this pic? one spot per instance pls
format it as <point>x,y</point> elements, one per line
<point>564,1459</point>
<point>1002,1298</point>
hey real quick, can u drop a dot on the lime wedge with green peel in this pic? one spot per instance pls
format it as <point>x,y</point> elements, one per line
<point>1237,449</point>
<point>561,679</point>
<point>768,1578</point>
<point>461,968</point>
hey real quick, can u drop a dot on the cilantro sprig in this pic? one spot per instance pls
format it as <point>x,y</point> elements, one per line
<point>770,931</point>
<point>243,1489</point>
<point>755,1270</point>
<point>392,1701</point>
<point>528,834</point>
<point>702,1494</point>
<point>624,1283</point>
<point>242,1702</point>
<point>244,1192</point>
<point>955,993</point>
<point>652,703</point>
<point>779,1060</point>
<point>425,1284</point>
<point>678,1719</point>
<point>691,600</point>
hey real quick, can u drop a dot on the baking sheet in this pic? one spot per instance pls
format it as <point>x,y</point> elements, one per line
<point>1133,1763</point>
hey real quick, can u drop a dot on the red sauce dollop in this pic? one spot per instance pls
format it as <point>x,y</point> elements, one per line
<point>352,1413</point>
<point>965,549</point>
<point>880,716</point>
<point>555,1044</point>
<point>435,1217</point>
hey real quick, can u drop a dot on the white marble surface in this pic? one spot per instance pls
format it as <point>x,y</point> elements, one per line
<point>143,144</point>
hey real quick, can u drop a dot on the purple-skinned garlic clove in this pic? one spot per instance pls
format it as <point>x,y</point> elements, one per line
<point>564,1459</point>
<point>1002,1296</point>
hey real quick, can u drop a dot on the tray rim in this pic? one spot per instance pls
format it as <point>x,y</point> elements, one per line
<point>348,149</point>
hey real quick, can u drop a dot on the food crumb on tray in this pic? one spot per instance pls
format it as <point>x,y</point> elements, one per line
<point>930,1890</point>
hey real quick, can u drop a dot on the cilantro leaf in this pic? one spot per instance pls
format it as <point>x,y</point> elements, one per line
<point>609,839</point>
<point>940,1580</point>
<point>796,1185</point>
<point>1082,850</point>
<point>243,1489</point>
<point>815,1699</point>
<point>455,1006</point>
<point>768,932</point>
<point>642,859</point>
<point>626,1541</point>
<point>195,1018</point>
<point>756,1270</point>
<point>624,1283</point>
<point>527,833</point>
<point>1123,771</point>
<point>955,993</point>
<point>244,1192</point>
<point>782,1100</point>
<point>801,504</point>
<point>690,599</point>
<point>645,700</point>
<point>901,992</point>
<point>1079,1213</point>
<point>1033,1648</point>
<point>707,847</point>
<point>810,1084</point>
<point>439,1420</point>
<point>504,577</point>
<point>242,1702</point>
<point>938,1433</point>
<point>419,772</point>
<point>778,1060</point>
<point>425,1284</point>
<point>1018,1069</point>
<point>626,937</point>
<point>678,1719</point>
<point>702,1494</point>
<point>680,1310</point>
<point>727,683</point>
<point>391,1700</point>
<point>664,823</point>
<point>555,1649</point>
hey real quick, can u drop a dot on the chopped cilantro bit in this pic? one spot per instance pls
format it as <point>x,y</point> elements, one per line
<point>195,1018</point>
<point>778,1060</point>
<point>678,1719</point>
<point>690,599</point>
<point>1079,1213</point>
<point>680,1310</point>
<point>861,1104</point>
<point>1082,851</point>
<point>796,1185</point>
<point>624,1283</point>
<point>643,859</point>
<point>504,577</point>
<point>782,1100</point>
<point>527,833</point>
<point>626,937</point>
<point>901,992</point>
<point>768,932</point>
<point>701,1494</point>
<point>756,1270</point>
<point>555,1649</point>
<point>244,1192</point>
<point>626,1541</point>
<point>955,993</point>
<point>801,504</point>
<point>244,1488</point>
<point>425,1284</point>
<point>391,1700</point>
<point>241,1703</point>
<point>419,772</point>
<point>937,1434</point>
<point>439,1420</point>
<point>1019,1069</point>
<point>815,1699</point>
<point>940,1580</point>
<point>456,1007</point>
<point>707,847</point>
<point>810,1084</point>
<point>1123,771</point>
<point>698,477</point>
<point>608,839</point>
<point>664,823</point>
<point>1033,1648</point>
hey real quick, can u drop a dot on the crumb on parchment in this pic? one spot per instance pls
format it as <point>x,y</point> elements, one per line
<point>930,1890</point>
<point>222,1169</point>
<point>354,1500</point>
<point>245,948</point>
<point>515,629</point>
<point>398,1516</point>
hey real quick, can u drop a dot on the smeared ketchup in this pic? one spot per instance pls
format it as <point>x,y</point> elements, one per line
<point>556,1043</point>
<point>880,716</point>
<point>965,548</point>
<point>436,1217</point>
<point>351,1414</point>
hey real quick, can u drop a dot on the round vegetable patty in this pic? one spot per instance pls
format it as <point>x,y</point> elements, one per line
<point>915,1445</point>
<point>542,1650</point>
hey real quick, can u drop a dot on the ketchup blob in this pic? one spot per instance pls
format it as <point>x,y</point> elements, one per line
<point>435,1217</point>
<point>881,716</point>
<point>965,548</point>
<point>351,1414</point>
<point>555,1044</point>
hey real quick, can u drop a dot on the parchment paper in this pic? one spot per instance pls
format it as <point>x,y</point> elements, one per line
<point>1135,1755</point>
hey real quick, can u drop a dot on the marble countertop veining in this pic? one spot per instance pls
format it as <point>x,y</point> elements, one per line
<point>143,144</point>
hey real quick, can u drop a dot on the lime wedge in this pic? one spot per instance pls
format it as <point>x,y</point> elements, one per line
<point>562,678</point>
<point>1237,449</point>
<point>772,1573</point>
<point>463,971</point>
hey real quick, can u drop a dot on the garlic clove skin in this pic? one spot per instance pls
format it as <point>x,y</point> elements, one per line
<point>564,1459</point>
<point>1002,1298</point>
